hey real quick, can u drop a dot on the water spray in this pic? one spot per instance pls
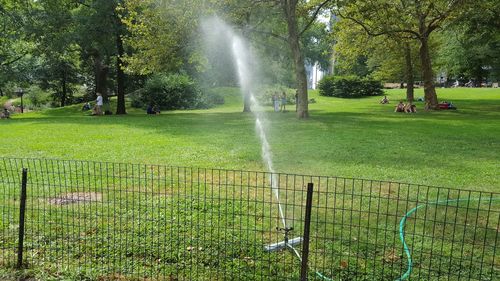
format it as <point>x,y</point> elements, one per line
<point>240,54</point>
<point>243,63</point>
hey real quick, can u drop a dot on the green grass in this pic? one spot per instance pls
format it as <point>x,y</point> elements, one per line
<point>349,138</point>
<point>190,224</point>
<point>3,99</point>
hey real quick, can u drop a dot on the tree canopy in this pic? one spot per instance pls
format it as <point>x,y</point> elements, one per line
<point>111,47</point>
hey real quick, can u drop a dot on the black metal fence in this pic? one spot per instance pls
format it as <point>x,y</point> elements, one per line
<point>114,221</point>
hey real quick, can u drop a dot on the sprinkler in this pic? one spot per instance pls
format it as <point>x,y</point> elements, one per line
<point>286,243</point>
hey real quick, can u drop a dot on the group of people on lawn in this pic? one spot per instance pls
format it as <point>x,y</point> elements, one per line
<point>407,108</point>
<point>411,108</point>
<point>97,109</point>
<point>401,107</point>
<point>279,102</point>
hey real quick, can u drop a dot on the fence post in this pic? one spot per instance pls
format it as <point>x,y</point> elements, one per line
<point>307,224</point>
<point>22,212</point>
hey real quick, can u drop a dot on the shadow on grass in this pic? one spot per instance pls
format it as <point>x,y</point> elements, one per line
<point>372,135</point>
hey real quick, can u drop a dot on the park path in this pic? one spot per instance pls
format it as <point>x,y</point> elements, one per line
<point>8,104</point>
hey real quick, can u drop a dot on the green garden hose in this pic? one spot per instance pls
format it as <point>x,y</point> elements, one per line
<point>402,223</point>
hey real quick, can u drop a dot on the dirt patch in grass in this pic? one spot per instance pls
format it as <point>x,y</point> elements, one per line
<point>76,197</point>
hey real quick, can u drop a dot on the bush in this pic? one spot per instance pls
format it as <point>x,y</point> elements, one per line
<point>36,98</point>
<point>172,91</point>
<point>349,87</point>
<point>210,99</point>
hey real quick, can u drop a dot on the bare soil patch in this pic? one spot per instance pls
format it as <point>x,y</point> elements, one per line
<point>76,197</point>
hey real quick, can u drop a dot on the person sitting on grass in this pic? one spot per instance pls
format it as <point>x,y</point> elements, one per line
<point>451,106</point>
<point>5,114</point>
<point>410,108</point>
<point>152,110</point>
<point>413,108</point>
<point>385,100</point>
<point>400,107</point>
<point>149,110</point>
<point>86,106</point>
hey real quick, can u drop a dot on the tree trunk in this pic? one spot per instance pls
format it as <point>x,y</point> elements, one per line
<point>409,73</point>
<point>425,60</point>
<point>290,8</point>
<point>246,103</point>
<point>478,79</point>
<point>101,77</point>
<point>120,77</point>
<point>64,92</point>
<point>1,92</point>
<point>427,75</point>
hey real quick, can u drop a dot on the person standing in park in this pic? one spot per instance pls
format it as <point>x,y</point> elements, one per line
<point>283,102</point>
<point>276,104</point>
<point>98,104</point>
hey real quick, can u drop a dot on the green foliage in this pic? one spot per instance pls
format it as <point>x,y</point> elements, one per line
<point>211,98</point>
<point>3,100</point>
<point>381,57</point>
<point>317,44</point>
<point>36,98</point>
<point>161,33</point>
<point>470,46</point>
<point>349,87</point>
<point>173,91</point>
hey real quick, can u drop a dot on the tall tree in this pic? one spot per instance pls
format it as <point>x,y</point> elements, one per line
<point>293,10</point>
<point>15,43</point>
<point>389,58</point>
<point>13,19</point>
<point>470,46</point>
<point>100,35</point>
<point>408,19</point>
<point>299,16</point>
<point>52,28</point>
<point>161,35</point>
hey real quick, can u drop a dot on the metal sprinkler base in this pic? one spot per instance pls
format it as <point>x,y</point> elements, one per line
<point>283,244</point>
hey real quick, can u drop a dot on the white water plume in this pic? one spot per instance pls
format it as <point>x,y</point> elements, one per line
<point>217,31</point>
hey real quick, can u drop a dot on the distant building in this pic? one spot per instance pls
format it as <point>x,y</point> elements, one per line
<point>314,71</point>
<point>314,75</point>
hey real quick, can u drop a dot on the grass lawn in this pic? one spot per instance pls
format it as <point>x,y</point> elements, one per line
<point>351,138</point>
<point>214,230</point>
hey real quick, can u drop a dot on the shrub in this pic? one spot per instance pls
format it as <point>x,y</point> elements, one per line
<point>172,91</point>
<point>210,99</point>
<point>349,87</point>
<point>36,97</point>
